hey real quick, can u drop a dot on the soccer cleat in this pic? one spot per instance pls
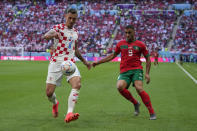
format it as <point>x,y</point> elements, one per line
<point>55,110</point>
<point>71,117</point>
<point>137,109</point>
<point>153,117</point>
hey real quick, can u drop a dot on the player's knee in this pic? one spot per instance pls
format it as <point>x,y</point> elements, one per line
<point>120,89</point>
<point>77,86</point>
<point>49,93</point>
<point>139,88</point>
<point>120,86</point>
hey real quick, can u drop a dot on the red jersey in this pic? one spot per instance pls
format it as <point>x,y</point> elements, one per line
<point>156,55</point>
<point>130,54</point>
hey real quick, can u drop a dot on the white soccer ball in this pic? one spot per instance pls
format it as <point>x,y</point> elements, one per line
<point>68,67</point>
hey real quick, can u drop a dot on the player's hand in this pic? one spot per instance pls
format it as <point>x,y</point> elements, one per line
<point>94,64</point>
<point>56,35</point>
<point>88,65</point>
<point>147,77</point>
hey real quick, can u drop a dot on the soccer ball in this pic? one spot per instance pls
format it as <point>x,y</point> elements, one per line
<point>68,67</point>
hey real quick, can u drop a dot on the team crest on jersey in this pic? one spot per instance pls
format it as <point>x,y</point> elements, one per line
<point>136,47</point>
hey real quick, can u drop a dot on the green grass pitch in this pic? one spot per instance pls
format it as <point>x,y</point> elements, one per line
<point>24,106</point>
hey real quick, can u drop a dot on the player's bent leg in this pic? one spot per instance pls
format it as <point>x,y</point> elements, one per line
<point>121,85</point>
<point>145,98</point>
<point>50,89</point>
<point>50,92</point>
<point>75,83</point>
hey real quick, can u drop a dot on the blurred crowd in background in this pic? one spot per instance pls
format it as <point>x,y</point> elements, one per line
<point>23,22</point>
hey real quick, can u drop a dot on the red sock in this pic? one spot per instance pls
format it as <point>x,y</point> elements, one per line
<point>128,96</point>
<point>146,100</point>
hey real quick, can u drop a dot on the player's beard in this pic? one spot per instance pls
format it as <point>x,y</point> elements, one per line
<point>129,40</point>
<point>70,25</point>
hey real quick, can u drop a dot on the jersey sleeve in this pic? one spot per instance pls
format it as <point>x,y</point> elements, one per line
<point>145,50</point>
<point>117,49</point>
<point>56,28</point>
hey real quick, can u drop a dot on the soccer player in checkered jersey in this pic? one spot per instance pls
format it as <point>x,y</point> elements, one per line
<point>64,48</point>
<point>131,69</point>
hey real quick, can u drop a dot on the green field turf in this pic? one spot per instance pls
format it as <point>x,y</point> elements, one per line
<point>24,106</point>
<point>191,68</point>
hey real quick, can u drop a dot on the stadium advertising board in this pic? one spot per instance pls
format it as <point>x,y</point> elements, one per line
<point>46,58</point>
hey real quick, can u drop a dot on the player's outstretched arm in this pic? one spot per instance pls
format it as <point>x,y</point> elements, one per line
<point>148,65</point>
<point>78,55</point>
<point>50,35</point>
<point>106,59</point>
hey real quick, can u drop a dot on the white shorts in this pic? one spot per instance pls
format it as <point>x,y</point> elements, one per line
<point>55,75</point>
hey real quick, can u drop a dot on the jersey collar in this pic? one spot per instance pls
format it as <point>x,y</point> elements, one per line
<point>131,42</point>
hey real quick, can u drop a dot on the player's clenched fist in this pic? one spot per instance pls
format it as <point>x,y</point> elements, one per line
<point>94,64</point>
<point>88,65</point>
<point>57,35</point>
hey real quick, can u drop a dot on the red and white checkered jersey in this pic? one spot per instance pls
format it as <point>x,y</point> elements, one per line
<point>64,47</point>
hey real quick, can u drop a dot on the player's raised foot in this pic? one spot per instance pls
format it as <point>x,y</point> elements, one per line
<point>71,117</point>
<point>153,117</point>
<point>55,110</point>
<point>137,109</point>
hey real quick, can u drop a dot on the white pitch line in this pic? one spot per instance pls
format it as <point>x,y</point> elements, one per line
<point>190,76</point>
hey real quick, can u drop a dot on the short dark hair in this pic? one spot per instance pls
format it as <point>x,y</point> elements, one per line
<point>71,10</point>
<point>129,27</point>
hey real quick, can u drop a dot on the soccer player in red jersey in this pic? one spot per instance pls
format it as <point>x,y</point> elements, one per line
<point>131,69</point>
<point>156,55</point>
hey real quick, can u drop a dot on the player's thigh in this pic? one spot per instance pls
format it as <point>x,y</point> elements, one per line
<point>137,79</point>
<point>76,73</point>
<point>124,80</point>
<point>53,80</point>
<point>75,82</point>
<point>54,74</point>
<point>138,84</point>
